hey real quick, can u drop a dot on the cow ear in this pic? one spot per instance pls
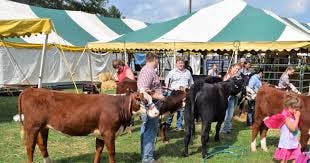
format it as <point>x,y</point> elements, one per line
<point>128,91</point>
<point>139,96</point>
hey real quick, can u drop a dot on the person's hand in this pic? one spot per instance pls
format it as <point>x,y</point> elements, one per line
<point>297,114</point>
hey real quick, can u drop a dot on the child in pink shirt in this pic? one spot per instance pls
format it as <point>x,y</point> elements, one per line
<point>287,121</point>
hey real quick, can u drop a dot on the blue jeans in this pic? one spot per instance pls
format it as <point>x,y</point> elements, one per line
<point>148,133</point>
<point>251,112</point>
<point>179,124</point>
<point>232,100</point>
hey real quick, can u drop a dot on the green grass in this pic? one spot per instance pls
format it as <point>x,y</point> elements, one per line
<point>81,149</point>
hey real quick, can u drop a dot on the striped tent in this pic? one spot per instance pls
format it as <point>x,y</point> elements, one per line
<point>73,28</point>
<point>218,25</point>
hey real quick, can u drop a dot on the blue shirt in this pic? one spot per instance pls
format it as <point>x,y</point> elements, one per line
<point>255,82</point>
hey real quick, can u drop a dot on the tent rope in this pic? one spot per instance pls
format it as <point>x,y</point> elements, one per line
<point>79,60</point>
<point>65,60</point>
<point>14,62</point>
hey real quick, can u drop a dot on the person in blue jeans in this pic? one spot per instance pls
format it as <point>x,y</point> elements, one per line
<point>148,80</point>
<point>177,78</point>
<point>254,84</point>
<point>232,100</point>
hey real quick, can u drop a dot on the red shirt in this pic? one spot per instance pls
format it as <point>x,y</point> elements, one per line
<point>121,76</point>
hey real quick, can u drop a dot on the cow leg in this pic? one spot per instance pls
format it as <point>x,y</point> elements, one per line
<point>99,148</point>
<point>304,137</point>
<point>31,137</point>
<point>255,129</point>
<point>263,134</point>
<point>206,126</point>
<point>109,139</point>
<point>163,132</point>
<point>42,143</point>
<point>188,126</point>
<point>217,131</point>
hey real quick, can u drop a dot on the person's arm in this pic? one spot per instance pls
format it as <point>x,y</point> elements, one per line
<point>191,80</point>
<point>210,72</point>
<point>293,126</point>
<point>158,96</point>
<point>284,80</point>
<point>168,77</point>
<point>115,78</point>
<point>129,74</point>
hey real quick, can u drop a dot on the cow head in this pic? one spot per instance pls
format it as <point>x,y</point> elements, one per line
<point>237,84</point>
<point>143,104</point>
<point>185,91</point>
<point>152,110</point>
<point>137,99</point>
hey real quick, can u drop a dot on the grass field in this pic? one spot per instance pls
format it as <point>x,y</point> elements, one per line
<point>81,149</point>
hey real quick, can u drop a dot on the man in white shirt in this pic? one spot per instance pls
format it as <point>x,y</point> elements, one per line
<point>176,78</point>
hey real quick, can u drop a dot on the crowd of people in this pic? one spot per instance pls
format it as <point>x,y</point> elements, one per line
<point>181,76</point>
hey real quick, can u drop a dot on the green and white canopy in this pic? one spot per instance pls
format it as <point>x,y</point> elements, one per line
<point>73,28</point>
<point>225,22</point>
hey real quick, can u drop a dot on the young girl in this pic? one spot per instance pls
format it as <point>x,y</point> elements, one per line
<point>287,121</point>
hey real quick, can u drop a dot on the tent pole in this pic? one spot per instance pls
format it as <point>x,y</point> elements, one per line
<point>42,61</point>
<point>236,45</point>
<point>236,56</point>
<point>125,53</point>
<point>90,67</point>
<point>174,55</point>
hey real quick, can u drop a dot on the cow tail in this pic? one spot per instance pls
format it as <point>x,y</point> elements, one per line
<point>191,104</point>
<point>20,112</point>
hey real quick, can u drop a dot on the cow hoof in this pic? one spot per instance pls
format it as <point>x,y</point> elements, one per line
<point>265,149</point>
<point>47,160</point>
<point>185,154</point>
<point>217,139</point>
<point>166,142</point>
<point>253,148</point>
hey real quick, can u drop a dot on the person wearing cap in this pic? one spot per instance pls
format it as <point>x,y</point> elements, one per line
<point>252,88</point>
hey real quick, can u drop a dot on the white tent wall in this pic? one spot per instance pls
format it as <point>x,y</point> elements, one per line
<point>55,69</point>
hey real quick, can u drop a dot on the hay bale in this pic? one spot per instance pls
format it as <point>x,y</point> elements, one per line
<point>106,76</point>
<point>108,85</point>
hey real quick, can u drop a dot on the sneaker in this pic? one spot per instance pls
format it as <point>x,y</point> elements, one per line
<point>178,129</point>
<point>225,132</point>
<point>152,161</point>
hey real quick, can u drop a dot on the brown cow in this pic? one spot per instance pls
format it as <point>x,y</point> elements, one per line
<point>171,104</point>
<point>270,101</point>
<point>75,115</point>
<point>126,84</point>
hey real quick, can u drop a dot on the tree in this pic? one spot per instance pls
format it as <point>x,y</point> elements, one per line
<point>90,6</point>
<point>114,12</point>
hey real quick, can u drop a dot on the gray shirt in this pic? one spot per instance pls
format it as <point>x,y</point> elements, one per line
<point>284,81</point>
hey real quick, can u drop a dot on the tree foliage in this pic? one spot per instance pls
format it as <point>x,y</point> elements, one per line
<point>90,6</point>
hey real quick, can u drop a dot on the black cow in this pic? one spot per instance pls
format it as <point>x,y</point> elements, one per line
<point>209,101</point>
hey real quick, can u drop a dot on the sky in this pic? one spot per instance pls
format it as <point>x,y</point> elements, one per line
<point>153,11</point>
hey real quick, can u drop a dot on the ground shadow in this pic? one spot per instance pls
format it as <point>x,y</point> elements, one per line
<point>175,149</point>
<point>89,157</point>
<point>8,108</point>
